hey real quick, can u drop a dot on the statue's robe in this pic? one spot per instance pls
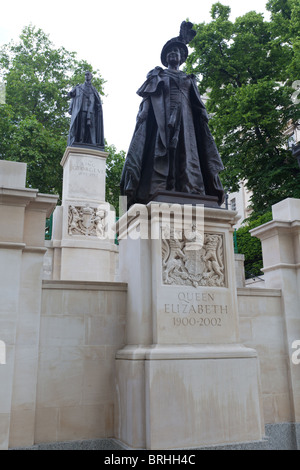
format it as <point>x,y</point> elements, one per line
<point>172,148</point>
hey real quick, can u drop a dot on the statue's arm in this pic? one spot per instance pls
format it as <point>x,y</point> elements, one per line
<point>98,101</point>
<point>143,111</point>
<point>72,93</point>
<point>196,100</point>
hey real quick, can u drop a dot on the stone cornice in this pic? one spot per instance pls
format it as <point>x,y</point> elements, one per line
<point>85,285</point>
<point>82,151</point>
<point>276,227</point>
<point>281,266</point>
<point>17,196</point>
<point>12,245</point>
<point>23,197</point>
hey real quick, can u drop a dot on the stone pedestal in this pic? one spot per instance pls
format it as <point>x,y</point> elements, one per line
<point>183,379</point>
<point>84,245</point>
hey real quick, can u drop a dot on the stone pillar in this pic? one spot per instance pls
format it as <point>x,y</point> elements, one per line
<point>183,378</point>
<point>84,247</point>
<point>23,213</point>
<point>239,260</point>
<point>280,240</point>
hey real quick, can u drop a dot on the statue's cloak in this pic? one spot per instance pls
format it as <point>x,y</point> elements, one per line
<point>159,129</point>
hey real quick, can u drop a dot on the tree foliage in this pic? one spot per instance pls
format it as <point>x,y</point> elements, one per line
<point>247,68</point>
<point>114,166</point>
<point>251,246</point>
<point>285,27</point>
<point>33,121</point>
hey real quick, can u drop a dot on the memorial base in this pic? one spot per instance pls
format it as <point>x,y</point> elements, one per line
<point>183,378</point>
<point>176,397</point>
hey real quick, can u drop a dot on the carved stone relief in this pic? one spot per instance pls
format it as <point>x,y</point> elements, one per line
<point>87,221</point>
<point>196,260</point>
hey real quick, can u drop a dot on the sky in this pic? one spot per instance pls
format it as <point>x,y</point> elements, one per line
<point>121,38</point>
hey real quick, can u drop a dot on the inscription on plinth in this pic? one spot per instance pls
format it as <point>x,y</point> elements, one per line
<point>84,174</point>
<point>87,177</point>
<point>196,310</point>
<point>84,167</point>
<point>189,316</point>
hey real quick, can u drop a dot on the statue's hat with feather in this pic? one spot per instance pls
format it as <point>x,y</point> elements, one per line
<point>186,34</point>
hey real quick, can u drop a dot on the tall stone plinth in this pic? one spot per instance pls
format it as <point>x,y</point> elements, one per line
<point>183,378</point>
<point>84,245</point>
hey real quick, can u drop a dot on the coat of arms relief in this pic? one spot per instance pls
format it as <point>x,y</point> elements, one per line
<point>87,221</point>
<point>194,259</point>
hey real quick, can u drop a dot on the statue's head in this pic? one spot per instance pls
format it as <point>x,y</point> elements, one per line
<point>180,42</point>
<point>88,76</point>
<point>171,47</point>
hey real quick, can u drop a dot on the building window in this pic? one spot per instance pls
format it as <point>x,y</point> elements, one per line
<point>233,204</point>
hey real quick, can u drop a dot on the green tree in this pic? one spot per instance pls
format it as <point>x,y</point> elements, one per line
<point>244,66</point>
<point>285,27</point>
<point>114,166</point>
<point>251,246</point>
<point>34,121</point>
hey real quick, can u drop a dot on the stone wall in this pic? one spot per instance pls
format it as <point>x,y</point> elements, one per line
<point>82,326</point>
<point>23,214</point>
<point>61,336</point>
<point>262,327</point>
